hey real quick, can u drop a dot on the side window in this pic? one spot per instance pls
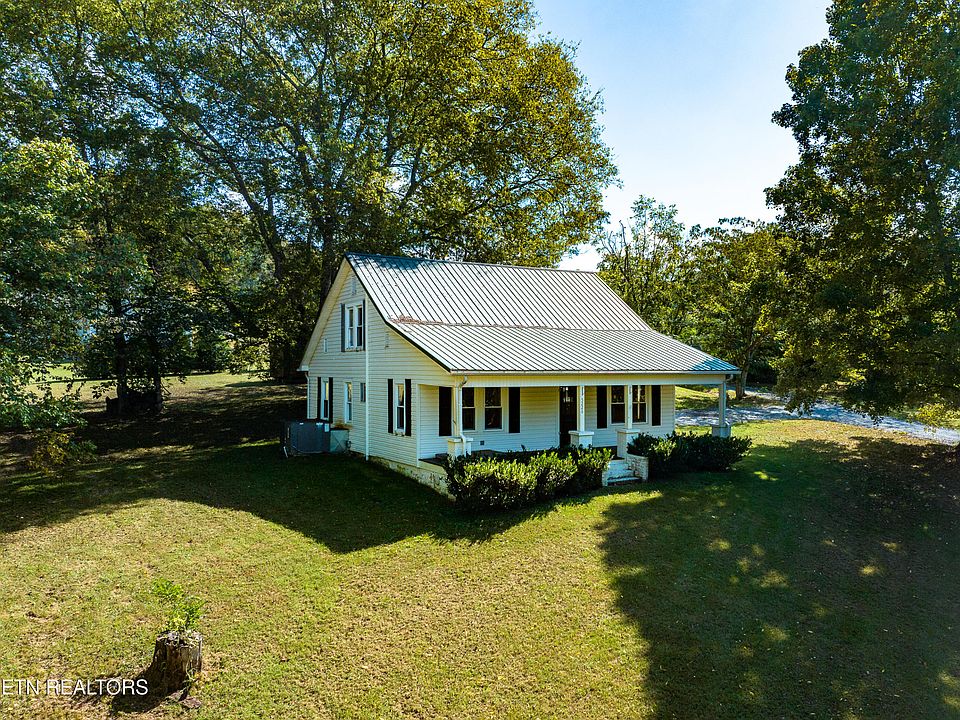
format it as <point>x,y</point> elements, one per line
<point>348,402</point>
<point>469,409</point>
<point>492,409</point>
<point>363,392</point>
<point>400,407</point>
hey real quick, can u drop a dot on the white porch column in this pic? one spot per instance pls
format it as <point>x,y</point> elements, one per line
<point>723,403</point>
<point>722,428</point>
<point>581,408</point>
<point>458,444</point>
<point>626,434</point>
<point>581,436</point>
<point>457,410</point>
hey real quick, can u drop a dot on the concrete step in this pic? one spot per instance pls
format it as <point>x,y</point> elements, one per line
<point>617,471</point>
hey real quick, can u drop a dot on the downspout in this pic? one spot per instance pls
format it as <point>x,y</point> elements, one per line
<point>366,392</point>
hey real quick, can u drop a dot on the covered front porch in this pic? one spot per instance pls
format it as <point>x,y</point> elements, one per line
<point>496,414</point>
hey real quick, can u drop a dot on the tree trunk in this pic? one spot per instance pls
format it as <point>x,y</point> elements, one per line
<point>176,662</point>
<point>740,385</point>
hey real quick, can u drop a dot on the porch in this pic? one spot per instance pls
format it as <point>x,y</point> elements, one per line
<point>484,416</point>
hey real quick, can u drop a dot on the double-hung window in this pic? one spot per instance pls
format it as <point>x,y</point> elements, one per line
<point>492,409</point>
<point>348,402</point>
<point>639,403</point>
<point>399,407</point>
<point>353,339</point>
<point>618,404</point>
<point>469,409</point>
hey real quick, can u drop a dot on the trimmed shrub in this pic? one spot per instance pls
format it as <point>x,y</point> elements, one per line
<point>517,479</point>
<point>685,453</point>
<point>591,464</point>
<point>553,474</point>
<point>494,485</point>
<point>715,454</point>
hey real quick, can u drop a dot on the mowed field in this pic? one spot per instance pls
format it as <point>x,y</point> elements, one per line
<point>820,579</point>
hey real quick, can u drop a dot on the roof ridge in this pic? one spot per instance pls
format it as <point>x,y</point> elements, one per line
<point>469,262</point>
<point>415,321</point>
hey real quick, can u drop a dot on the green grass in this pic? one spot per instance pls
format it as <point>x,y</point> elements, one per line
<point>706,398</point>
<point>819,579</point>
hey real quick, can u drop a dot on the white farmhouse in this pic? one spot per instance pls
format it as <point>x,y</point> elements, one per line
<point>421,358</point>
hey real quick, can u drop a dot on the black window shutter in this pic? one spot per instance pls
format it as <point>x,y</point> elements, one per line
<point>330,398</point>
<point>601,406</point>
<point>343,327</point>
<point>320,399</point>
<point>445,410</point>
<point>655,404</point>
<point>514,408</point>
<point>390,409</point>
<point>408,406</point>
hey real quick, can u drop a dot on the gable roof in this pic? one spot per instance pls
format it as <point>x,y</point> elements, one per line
<point>482,318</point>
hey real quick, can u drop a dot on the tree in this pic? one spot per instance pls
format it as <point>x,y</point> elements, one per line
<point>873,206</point>
<point>739,293</point>
<point>44,188</point>
<point>443,129</point>
<point>163,258</point>
<point>652,266</point>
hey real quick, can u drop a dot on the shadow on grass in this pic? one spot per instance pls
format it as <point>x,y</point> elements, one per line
<point>344,503</point>
<point>818,580</point>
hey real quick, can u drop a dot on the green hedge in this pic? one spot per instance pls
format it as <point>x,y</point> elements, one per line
<point>677,453</point>
<point>521,479</point>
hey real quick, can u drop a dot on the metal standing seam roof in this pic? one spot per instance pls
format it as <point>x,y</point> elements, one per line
<point>482,318</point>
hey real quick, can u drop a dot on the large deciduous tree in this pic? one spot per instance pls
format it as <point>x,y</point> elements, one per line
<point>874,206</point>
<point>739,293</point>
<point>44,252</point>
<point>443,129</point>
<point>154,272</point>
<point>651,265</point>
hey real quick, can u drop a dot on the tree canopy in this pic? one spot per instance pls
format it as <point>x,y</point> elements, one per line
<point>651,265</point>
<point>44,191</point>
<point>241,148</point>
<point>874,207</point>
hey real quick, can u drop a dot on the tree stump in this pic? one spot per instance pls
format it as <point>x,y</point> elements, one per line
<point>176,662</point>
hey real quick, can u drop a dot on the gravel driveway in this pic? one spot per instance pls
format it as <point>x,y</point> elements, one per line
<point>820,411</point>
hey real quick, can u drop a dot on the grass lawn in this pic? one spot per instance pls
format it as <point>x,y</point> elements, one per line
<point>706,398</point>
<point>818,580</point>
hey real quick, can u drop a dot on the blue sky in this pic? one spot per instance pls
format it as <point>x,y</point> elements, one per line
<point>688,89</point>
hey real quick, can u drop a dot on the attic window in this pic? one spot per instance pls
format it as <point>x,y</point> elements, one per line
<point>354,327</point>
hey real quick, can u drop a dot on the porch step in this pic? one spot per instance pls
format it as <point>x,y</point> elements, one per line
<point>617,472</point>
